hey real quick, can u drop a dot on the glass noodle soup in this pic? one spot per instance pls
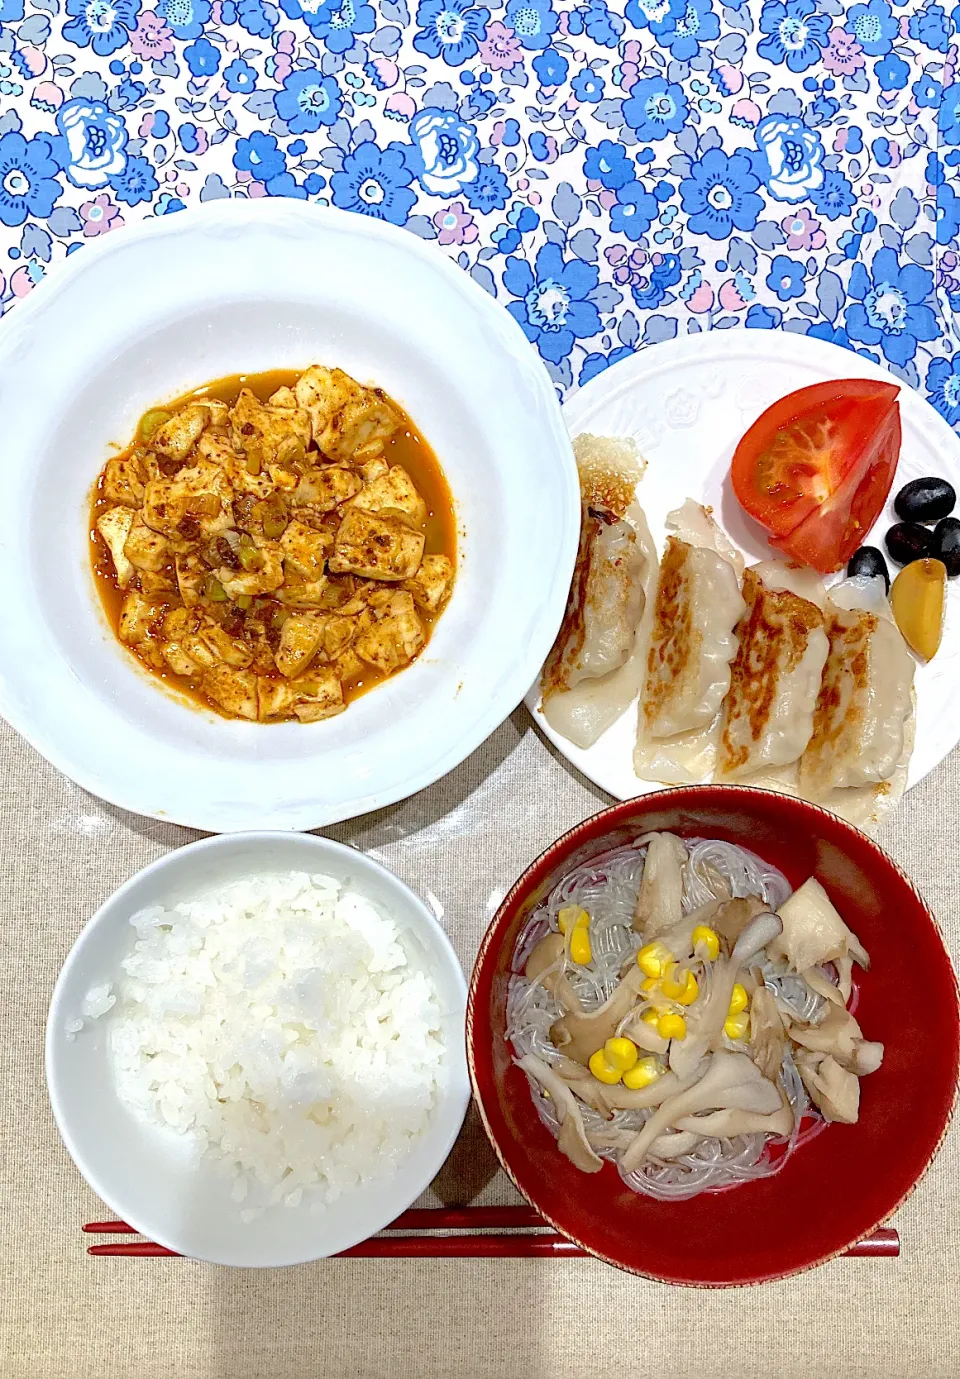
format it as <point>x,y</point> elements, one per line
<point>680,1013</point>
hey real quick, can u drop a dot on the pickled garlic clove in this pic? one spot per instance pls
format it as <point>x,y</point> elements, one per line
<point>917,600</point>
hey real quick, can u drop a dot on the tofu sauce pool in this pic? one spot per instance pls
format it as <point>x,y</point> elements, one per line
<point>406,447</point>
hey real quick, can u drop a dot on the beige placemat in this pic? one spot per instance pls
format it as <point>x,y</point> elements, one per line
<point>465,840</point>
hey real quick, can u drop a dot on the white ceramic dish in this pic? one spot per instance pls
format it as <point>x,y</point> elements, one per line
<point>687,403</point>
<point>146,1176</point>
<point>150,312</point>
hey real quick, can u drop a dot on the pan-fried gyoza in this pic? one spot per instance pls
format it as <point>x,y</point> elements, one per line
<point>759,676</point>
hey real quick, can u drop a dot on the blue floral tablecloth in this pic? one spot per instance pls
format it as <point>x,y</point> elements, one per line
<point>614,173</point>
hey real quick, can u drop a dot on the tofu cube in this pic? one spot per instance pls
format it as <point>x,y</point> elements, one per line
<point>178,660</point>
<point>146,549</point>
<point>394,639</point>
<point>176,438</point>
<point>377,547</point>
<point>233,690</point>
<point>432,583</point>
<point>264,576</point>
<point>162,583</point>
<point>323,489</point>
<point>349,422</point>
<point>305,549</point>
<point>267,434</point>
<point>318,695</point>
<point>338,633</point>
<point>299,642</point>
<point>114,526</point>
<point>137,615</point>
<point>123,480</point>
<point>191,578</point>
<point>275,699</point>
<point>231,650</point>
<point>395,491</point>
<point>310,594</point>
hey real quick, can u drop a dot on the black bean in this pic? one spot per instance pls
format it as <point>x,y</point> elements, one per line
<point>870,562</point>
<point>946,544</point>
<point>925,500</point>
<point>908,541</point>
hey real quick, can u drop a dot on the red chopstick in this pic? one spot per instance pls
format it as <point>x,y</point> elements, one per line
<point>884,1241</point>
<point>416,1219</point>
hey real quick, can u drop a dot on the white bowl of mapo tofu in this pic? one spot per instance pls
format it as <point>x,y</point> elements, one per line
<point>291,516</point>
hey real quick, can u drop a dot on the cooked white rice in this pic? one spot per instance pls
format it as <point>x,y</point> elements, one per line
<point>280,1024</point>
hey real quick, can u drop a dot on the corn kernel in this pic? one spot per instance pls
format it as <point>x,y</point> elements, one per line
<point>602,1070</point>
<point>580,949</point>
<point>649,984</point>
<point>738,1000</point>
<point>617,1057</point>
<point>651,1017</point>
<point>643,1072</point>
<point>620,1053</point>
<point>571,915</point>
<point>709,939</point>
<point>736,1026</point>
<point>672,1027</point>
<point>654,958</point>
<point>680,985</point>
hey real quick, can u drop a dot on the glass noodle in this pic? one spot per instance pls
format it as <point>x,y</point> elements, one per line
<point>607,888</point>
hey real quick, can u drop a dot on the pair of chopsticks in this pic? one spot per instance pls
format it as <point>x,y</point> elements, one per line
<point>393,1243</point>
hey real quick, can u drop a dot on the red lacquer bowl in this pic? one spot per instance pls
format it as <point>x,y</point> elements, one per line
<point>834,1189</point>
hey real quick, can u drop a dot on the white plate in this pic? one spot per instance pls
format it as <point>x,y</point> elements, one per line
<point>146,314</point>
<point>687,403</point>
<point>151,1177</point>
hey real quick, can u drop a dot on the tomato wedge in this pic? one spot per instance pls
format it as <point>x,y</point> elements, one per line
<point>816,468</point>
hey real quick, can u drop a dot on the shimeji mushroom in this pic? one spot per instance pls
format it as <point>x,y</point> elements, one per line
<point>669,1146</point>
<point>814,934</point>
<point>572,1138</point>
<point>835,1090</point>
<point>679,937</point>
<point>733,917</point>
<point>705,1027</point>
<point>731,1082</point>
<point>714,881</point>
<point>545,963</point>
<point>838,992</point>
<point>660,902</point>
<point>545,955</point>
<point>767,1034</point>
<point>675,1143</point>
<point>580,1033</point>
<point>839,1035</point>
<point>643,1035</point>
<point>731,1121</point>
<point>607,1099</point>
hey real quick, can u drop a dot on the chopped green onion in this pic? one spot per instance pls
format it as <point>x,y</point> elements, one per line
<point>151,422</point>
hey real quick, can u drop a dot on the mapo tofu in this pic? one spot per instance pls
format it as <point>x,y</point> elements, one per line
<point>274,545</point>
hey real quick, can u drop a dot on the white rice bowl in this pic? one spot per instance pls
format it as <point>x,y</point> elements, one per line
<point>283,1045</point>
<point>281,1025</point>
